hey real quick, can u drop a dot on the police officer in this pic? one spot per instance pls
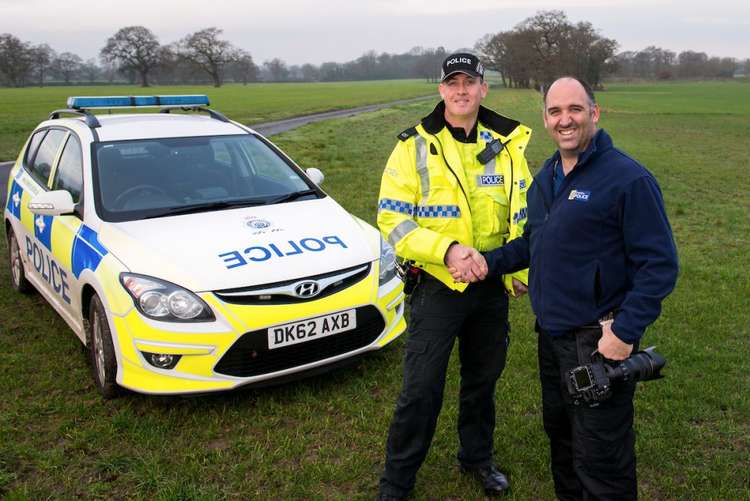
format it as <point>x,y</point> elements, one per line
<point>454,184</point>
<point>602,259</point>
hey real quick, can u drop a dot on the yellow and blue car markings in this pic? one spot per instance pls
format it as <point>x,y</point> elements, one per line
<point>15,196</point>
<point>87,252</point>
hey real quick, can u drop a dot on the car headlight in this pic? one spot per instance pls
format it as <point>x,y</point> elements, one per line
<point>162,300</point>
<point>387,262</point>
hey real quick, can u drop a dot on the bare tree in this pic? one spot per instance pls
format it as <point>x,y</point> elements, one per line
<point>243,69</point>
<point>42,56</point>
<point>90,70</point>
<point>310,73</point>
<point>206,51</point>
<point>15,60</point>
<point>277,70</point>
<point>545,46</point>
<point>66,66</point>
<point>135,49</point>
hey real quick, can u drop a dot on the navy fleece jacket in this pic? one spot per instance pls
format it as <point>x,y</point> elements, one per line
<point>603,243</point>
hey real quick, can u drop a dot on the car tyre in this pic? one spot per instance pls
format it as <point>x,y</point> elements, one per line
<point>17,274</point>
<point>101,350</point>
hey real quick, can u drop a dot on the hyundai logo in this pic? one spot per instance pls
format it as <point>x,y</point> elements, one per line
<point>308,288</point>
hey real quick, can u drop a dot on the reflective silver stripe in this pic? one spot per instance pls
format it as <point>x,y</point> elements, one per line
<point>400,231</point>
<point>489,167</point>
<point>424,176</point>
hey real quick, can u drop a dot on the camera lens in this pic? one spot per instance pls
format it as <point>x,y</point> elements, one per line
<point>642,366</point>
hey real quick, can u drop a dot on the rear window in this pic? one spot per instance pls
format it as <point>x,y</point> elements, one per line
<point>41,165</point>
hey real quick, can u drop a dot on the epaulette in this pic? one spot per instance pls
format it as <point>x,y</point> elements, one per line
<point>411,131</point>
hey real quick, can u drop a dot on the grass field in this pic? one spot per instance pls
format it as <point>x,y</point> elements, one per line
<point>22,109</point>
<point>323,438</point>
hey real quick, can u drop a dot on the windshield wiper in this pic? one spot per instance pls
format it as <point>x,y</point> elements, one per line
<point>291,196</point>
<point>206,207</point>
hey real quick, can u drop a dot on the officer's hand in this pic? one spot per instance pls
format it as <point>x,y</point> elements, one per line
<point>610,346</point>
<point>519,289</point>
<point>465,264</point>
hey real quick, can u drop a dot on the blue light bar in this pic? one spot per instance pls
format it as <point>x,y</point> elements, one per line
<point>89,102</point>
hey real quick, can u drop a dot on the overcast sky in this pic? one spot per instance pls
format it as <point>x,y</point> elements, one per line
<point>300,31</point>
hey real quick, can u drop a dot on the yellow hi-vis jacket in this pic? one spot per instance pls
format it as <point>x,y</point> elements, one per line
<point>435,191</point>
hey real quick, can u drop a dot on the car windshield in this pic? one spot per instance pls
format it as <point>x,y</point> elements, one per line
<point>159,177</point>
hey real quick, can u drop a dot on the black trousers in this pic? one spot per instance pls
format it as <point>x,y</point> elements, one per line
<point>478,318</point>
<point>592,448</point>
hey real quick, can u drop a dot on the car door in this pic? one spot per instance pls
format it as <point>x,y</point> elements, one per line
<point>67,175</point>
<point>34,231</point>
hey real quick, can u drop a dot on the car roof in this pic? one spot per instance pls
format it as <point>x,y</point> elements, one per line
<point>132,126</point>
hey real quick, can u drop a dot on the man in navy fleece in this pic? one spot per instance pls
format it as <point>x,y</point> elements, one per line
<point>601,259</point>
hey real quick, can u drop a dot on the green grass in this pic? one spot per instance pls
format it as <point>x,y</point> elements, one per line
<point>22,109</point>
<point>323,438</point>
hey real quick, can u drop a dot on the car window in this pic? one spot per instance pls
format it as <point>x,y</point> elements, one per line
<point>151,177</point>
<point>69,174</point>
<point>41,166</point>
<point>36,139</point>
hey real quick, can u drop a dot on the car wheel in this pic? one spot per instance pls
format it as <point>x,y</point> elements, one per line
<point>17,274</point>
<point>101,350</point>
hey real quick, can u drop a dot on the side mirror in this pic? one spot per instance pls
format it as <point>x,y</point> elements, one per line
<point>52,203</point>
<point>315,175</point>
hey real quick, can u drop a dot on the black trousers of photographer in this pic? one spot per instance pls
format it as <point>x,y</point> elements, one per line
<point>439,316</point>
<point>592,448</point>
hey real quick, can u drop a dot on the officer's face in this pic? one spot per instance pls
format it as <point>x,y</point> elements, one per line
<point>462,95</point>
<point>569,116</point>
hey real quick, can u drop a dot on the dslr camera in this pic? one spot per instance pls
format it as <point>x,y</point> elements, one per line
<point>592,383</point>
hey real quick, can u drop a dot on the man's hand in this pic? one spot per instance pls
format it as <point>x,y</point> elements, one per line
<point>465,264</point>
<point>610,346</point>
<point>519,289</point>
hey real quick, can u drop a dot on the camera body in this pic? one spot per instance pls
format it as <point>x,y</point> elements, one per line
<point>592,383</point>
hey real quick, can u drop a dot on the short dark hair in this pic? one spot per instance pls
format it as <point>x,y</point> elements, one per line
<point>584,84</point>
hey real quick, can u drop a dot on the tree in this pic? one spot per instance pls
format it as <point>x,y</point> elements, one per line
<point>207,52</point>
<point>42,56</point>
<point>243,69</point>
<point>277,70</point>
<point>310,73</point>
<point>91,71</point>
<point>15,60</point>
<point>692,64</point>
<point>66,66</point>
<point>135,49</point>
<point>546,46</point>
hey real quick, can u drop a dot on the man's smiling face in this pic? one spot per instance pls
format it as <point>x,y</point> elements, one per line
<point>462,95</point>
<point>570,117</point>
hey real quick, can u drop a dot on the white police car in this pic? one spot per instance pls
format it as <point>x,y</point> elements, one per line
<point>190,254</point>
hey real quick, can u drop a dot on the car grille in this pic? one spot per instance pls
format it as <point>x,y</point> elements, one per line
<point>250,356</point>
<point>283,292</point>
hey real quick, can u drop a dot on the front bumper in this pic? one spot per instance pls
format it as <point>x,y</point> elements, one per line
<point>233,351</point>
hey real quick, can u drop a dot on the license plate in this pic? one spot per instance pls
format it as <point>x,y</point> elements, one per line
<point>311,329</point>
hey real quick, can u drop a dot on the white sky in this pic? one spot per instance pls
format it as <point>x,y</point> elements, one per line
<point>300,31</point>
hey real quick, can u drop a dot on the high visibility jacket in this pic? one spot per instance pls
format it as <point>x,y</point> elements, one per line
<point>435,191</point>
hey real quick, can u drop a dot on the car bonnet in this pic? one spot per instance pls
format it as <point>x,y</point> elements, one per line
<point>242,247</point>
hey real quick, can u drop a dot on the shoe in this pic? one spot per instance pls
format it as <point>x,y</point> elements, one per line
<point>494,482</point>
<point>383,496</point>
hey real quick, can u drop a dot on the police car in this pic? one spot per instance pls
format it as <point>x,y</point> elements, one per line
<point>188,253</point>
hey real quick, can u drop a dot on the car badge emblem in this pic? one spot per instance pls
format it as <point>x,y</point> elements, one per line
<point>258,224</point>
<point>307,289</point>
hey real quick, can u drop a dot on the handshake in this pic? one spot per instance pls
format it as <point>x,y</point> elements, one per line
<point>466,264</point>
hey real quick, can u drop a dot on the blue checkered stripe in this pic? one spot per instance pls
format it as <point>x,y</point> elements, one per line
<point>396,206</point>
<point>438,211</point>
<point>420,210</point>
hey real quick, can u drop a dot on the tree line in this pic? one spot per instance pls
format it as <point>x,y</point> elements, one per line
<point>531,54</point>
<point>548,45</point>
